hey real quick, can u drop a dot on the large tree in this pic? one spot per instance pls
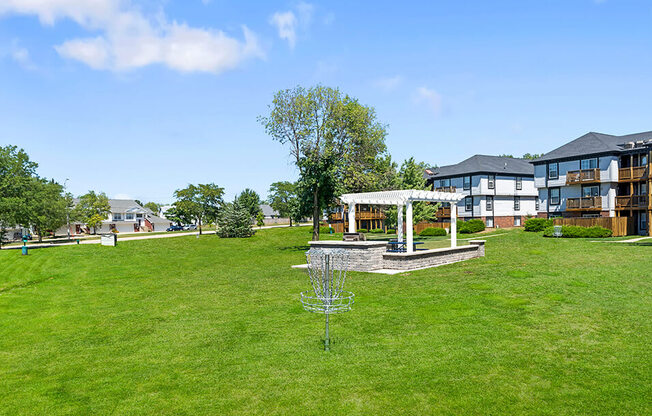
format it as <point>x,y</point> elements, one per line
<point>410,176</point>
<point>92,209</point>
<point>46,206</point>
<point>16,175</point>
<point>250,200</point>
<point>332,138</point>
<point>153,206</point>
<point>282,197</point>
<point>200,202</point>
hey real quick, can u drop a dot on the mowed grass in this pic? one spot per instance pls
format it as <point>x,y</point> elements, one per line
<point>188,326</point>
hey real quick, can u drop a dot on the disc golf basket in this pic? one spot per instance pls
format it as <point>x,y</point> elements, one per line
<point>327,270</point>
<point>557,231</point>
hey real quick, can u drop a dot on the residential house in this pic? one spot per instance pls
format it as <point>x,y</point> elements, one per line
<point>126,216</point>
<point>499,190</point>
<point>597,175</point>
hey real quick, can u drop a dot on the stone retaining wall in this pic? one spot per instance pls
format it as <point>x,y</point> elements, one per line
<point>364,256</point>
<point>430,258</point>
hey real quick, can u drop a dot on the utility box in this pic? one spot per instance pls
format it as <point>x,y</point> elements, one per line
<point>109,240</point>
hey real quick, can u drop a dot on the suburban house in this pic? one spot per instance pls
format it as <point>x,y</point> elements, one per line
<point>126,216</point>
<point>597,175</point>
<point>498,190</point>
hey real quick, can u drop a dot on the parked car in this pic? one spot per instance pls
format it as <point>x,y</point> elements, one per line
<point>190,227</point>
<point>175,228</point>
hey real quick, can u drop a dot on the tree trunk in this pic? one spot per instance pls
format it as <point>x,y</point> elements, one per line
<point>315,214</point>
<point>290,222</point>
<point>40,235</point>
<point>199,225</point>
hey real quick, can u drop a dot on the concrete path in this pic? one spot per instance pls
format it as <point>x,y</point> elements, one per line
<point>631,240</point>
<point>143,236</point>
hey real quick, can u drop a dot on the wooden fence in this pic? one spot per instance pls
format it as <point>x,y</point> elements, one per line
<point>620,226</point>
<point>423,225</point>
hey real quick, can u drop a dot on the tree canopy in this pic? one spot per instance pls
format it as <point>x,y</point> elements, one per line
<point>92,209</point>
<point>336,143</point>
<point>250,200</point>
<point>282,197</point>
<point>201,203</point>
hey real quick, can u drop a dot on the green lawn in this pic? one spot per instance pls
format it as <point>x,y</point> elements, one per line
<point>188,326</point>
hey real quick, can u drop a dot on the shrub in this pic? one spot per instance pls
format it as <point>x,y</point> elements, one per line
<point>574,231</point>
<point>234,221</point>
<point>391,231</point>
<point>433,232</point>
<point>363,230</point>
<point>376,231</point>
<point>470,226</point>
<point>537,224</point>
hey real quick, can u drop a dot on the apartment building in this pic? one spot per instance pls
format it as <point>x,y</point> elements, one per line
<point>499,190</point>
<point>597,175</point>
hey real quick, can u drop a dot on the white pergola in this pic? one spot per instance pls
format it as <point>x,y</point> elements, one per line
<point>401,198</point>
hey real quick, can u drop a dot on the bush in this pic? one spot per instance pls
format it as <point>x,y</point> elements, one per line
<point>433,232</point>
<point>574,231</point>
<point>391,231</point>
<point>363,230</point>
<point>234,221</point>
<point>537,224</point>
<point>376,231</point>
<point>470,226</point>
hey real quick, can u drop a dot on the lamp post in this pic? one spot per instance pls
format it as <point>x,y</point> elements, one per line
<point>67,209</point>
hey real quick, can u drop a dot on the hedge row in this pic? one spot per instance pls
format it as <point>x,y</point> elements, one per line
<point>537,224</point>
<point>433,232</point>
<point>574,231</point>
<point>470,226</point>
<point>376,231</point>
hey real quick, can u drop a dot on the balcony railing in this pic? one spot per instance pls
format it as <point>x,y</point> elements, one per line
<point>632,173</point>
<point>632,201</point>
<point>364,215</point>
<point>443,212</point>
<point>587,202</point>
<point>446,189</point>
<point>582,176</point>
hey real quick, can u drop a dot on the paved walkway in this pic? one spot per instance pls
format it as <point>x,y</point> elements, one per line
<point>631,240</point>
<point>143,236</point>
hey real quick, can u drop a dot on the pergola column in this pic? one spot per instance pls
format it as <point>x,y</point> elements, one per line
<point>351,218</point>
<point>453,229</point>
<point>408,229</point>
<point>399,218</point>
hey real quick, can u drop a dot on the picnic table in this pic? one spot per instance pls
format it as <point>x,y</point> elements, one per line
<point>401,246</point>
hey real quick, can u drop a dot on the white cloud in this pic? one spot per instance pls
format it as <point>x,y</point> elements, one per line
<point>288,23</point>
<point>388,83</point>
<point>122,196</point>
<point>429,97</point>
<point>129,39</point>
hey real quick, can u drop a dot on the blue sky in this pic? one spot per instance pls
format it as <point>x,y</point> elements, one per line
<point>139,98</point>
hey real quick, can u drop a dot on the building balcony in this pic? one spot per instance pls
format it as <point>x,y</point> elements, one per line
<point>632,202</point>
<point>446,189</point>
<point>635,173</point>
<point>364,215</point>
<point>443,212</point>
<point>584,203</point>
<point>574,177</point>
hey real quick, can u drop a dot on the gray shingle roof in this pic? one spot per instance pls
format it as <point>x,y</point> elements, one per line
<point>591,144</point>
<point>483,164</point>
<point>268,211</point>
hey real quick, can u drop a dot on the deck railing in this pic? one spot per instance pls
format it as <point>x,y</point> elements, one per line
<point>632,173</point>
<point>443,212</point>
<point>364,215</point>
<point>632,201</point>
<point>446,189</point>
<point>587,202</point>
<point>582,176</point>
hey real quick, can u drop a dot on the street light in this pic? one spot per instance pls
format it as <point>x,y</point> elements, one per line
<point>67,208</point>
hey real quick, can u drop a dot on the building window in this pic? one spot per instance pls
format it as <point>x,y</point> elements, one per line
<point>490,222</point>
<point>588,191</point>
<point>643,189</point>
<point>553,196</point>
<point>517,203</point>
<point>117,216</point>
<point>553,171</point>
<point>643,218</point>
<point>536,204</point>
<point>467,183</point>
<point>517,221</point>
<point>643,160</point>
<point>444,183</point>
<point>492,181</point>
<point>519,183</point>
<point>129,216</point>
<point>139,215</point>
<point>490,203</point>
<point>468,203</point>
<point>589,163</point>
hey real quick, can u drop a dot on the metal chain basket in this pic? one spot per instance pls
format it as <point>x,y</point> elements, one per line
<point>327,271</point>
